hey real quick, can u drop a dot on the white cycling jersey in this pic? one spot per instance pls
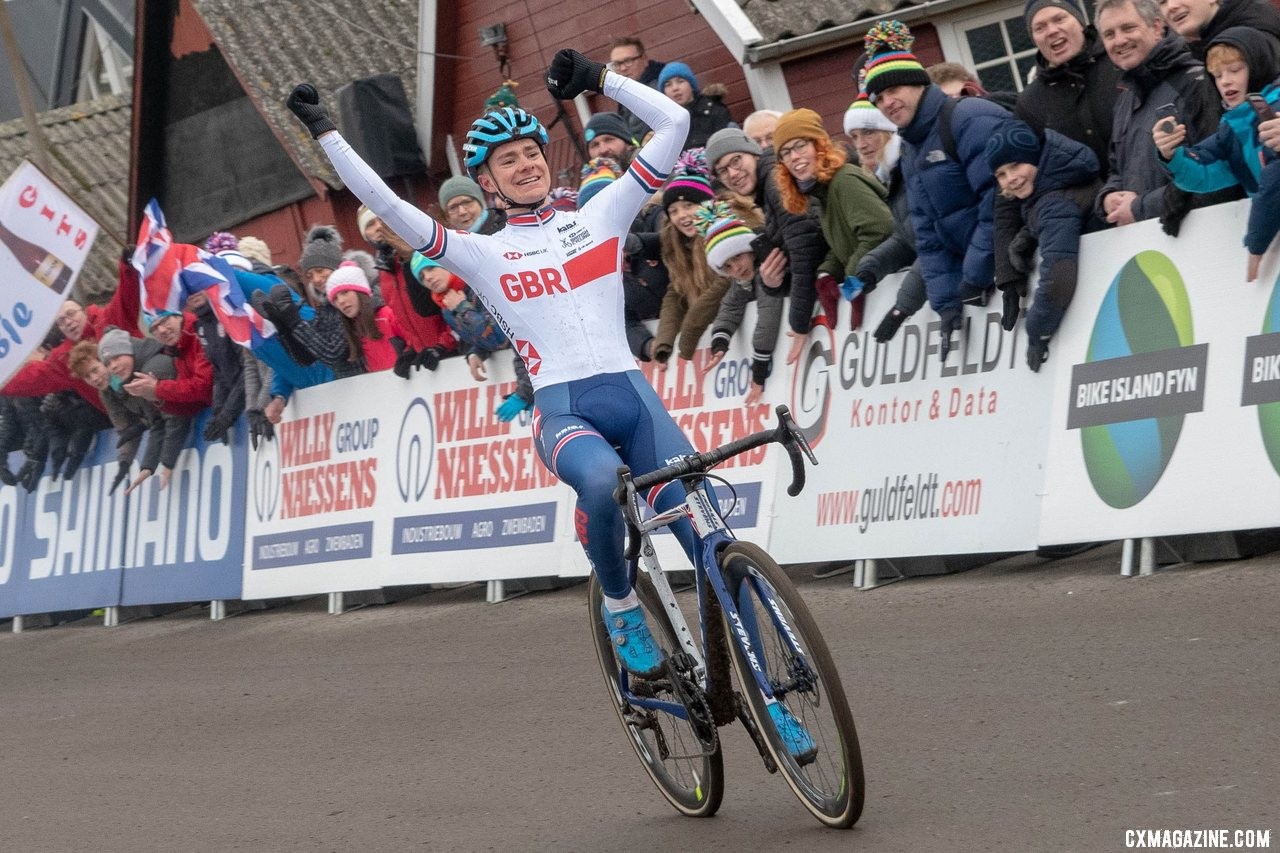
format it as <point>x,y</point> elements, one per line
<point>552,280</point>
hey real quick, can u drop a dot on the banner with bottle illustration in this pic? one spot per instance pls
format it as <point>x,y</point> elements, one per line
<point>1166,407</point>
<point>44,240</point>
<point>378,481</point>
<point>78,543</point>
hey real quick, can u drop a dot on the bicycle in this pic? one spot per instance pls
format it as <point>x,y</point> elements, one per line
<point>751,616</point>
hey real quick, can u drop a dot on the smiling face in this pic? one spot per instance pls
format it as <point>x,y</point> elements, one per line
<point>607,145</point>
<point>737,171</point>
<point>1128,39</point>
<point>899,103</point>
<point>1059,35</point>
<point>800,156</point>
<point>517,170</point>
<point>679,90</point>
<point>1188,17</point>
<point>1016,180</point>
<point>121,367</point>
<point>167,330</point>
<point>681,213</point>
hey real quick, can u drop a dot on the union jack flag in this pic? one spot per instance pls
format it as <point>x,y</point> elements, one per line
<point>171,272</point>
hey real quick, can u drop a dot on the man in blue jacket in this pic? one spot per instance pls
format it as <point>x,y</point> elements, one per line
<point>950,188</point>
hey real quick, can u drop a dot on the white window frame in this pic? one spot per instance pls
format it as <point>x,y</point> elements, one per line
<point>952,28</point>
<point>101,55</point>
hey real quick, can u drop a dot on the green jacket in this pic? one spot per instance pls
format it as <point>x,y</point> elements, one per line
<point>855,219</point>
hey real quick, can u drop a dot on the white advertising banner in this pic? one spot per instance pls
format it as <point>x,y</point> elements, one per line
<point>1166,416</point>
<point>915,456</point>
<point>44,239</point>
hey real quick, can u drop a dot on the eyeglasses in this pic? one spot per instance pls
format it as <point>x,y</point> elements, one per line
<point>790,150</point>
<point>625,62</point>
<point>462,204</point>
<point>736,163</point>
<point>67,316</point>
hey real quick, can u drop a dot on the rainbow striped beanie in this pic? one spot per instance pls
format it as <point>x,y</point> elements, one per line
<point>890,61</point>
<point>724,233</point>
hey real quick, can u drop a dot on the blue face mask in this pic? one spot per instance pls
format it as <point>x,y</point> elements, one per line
<point>116,383</point>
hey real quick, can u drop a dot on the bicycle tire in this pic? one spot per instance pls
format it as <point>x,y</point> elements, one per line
<point>694,786</point>
<point>831,786</point>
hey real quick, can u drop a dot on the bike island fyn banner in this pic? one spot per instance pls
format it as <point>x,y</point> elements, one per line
<point>915,456</point>
<point>74,544</point>
<point>44,239</point>
<point>1168,379</point>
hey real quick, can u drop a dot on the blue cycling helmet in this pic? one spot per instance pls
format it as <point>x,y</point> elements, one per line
<point>496,127</point>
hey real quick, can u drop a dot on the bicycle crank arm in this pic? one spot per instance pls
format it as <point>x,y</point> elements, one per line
<point>750,725</point>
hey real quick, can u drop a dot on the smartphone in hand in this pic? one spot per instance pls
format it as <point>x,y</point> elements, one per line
<point>1260,107</point>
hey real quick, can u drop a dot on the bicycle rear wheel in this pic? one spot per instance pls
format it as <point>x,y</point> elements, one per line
<point>688,771</point>
<point>803,677</point>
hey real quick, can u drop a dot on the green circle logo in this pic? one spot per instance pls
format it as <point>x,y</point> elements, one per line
<point>1145,310</point>
<point>1269,413</point>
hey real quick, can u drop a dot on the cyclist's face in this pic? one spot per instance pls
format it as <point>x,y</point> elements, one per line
<point>517,170</point>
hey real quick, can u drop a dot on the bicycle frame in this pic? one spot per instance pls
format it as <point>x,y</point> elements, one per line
<point>713,535</point>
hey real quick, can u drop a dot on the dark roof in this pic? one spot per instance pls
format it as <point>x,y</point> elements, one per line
<point>784,19</point>
<point>89,150</point>
<point>274,45</point>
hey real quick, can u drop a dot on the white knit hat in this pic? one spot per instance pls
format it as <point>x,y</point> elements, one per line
<point>348,276</point>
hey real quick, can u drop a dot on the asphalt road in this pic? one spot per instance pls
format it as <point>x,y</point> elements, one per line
<point>1019,706</point>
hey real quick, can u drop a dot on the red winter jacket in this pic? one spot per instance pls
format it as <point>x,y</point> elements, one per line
<point>420,331</point>
<point>379,354</point>
<point>192,391</point>
<point>37,378</point>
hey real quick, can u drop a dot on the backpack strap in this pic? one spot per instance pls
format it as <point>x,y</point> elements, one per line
<point>945,134</point>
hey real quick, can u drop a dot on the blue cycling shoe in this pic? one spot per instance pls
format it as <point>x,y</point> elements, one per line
<point>794,735</point>
<point>632,641</point>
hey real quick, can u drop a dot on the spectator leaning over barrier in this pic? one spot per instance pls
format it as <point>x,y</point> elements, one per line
<point>950,196</point>
<point>190,391</point>
<point>1241,60</point>
<point>425,331</point>
<point>759,127</point>
<point>107,365</point>
<point>878,144</point>
<point>1200,21</point>
<point>707,112</point>
<point>1055,180</point>
<point>854,215</point>
<point>694,294</point>
<point>743,167</point>
<point>627,57</point>
<point>607,135</point>
<point>1159,79</point>
<point>726,230</point>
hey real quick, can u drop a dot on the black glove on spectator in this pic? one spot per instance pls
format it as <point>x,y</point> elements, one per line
<point>760,369</point>
<point>1022,251</point>
<point>1037,354</point>
<point>1012,305</point>
<point>406,359</point>
<point>6,476</point>
<point>889,325</point>
<point>571,74</point>
<point>304,101</point>
<point>57,455</point>
<point>128,434</point>
<point>279,307</point>
<point>122,474</point>
<point>1174,207</point>
<point>429,358</point>
<point>259,427</point>
<point>952,320</point>
<point>217,427</point>
<point>74,461</point>
<point>29,473</point>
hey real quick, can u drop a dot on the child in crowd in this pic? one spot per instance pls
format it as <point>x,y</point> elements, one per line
<point>475,328</point>
<point>372,333</point>
<point>730,254</point>
<point>1241,60</point>
<point>1055,179</point>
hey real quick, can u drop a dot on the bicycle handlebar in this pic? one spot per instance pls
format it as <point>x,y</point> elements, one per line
<point>787,433</point>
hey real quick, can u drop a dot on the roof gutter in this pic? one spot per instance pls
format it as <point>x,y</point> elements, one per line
<point>843,33</point>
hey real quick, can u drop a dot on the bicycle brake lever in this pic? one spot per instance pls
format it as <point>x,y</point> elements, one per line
<point>788,423</point>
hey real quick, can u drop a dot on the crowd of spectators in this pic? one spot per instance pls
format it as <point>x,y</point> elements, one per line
<point>1146,113</point>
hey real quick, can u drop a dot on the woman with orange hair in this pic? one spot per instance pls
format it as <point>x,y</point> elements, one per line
<point>855,217</point>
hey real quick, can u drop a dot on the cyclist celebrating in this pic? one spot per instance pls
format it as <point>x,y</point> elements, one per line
<point>552,281</point>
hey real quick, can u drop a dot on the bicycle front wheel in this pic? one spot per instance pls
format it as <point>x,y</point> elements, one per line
<point>802,676</point>
<point>674,751</point>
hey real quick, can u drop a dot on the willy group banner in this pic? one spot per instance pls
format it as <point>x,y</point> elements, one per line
<point>1166,411</point>
<point>44,240</point>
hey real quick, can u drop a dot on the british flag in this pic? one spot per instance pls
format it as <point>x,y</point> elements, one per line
<point>171,272</point>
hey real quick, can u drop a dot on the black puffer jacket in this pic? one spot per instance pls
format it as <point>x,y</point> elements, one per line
<point>1256,14</point>
<point>799,235</point>
<point>707,114</point>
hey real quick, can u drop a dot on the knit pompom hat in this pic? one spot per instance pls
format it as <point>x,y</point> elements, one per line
<point>321,249</point>
<point>890,60</point>
<point>348,276</point>
<point>1013,142</point>
<point>725,235</point>
<point>677,69</point>
<point>690,179</point>
<point>597,175</point>
<point>114,342</point>
<point>220,241</point>
<point>862,115</point>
